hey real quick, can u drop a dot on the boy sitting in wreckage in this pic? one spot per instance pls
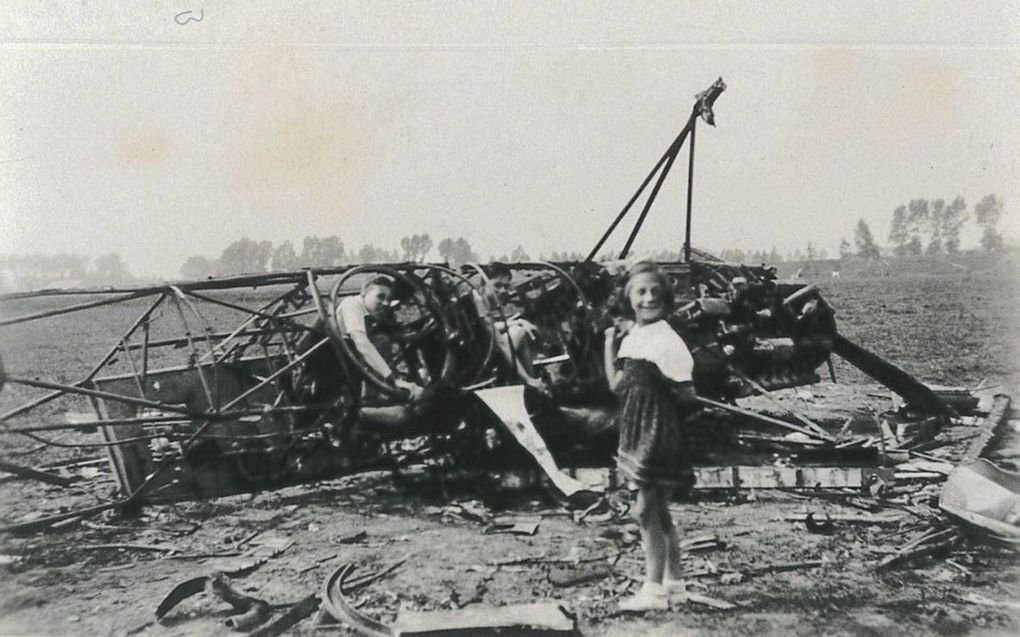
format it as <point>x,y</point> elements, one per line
<point>515,336</point>
<point>372,303</point>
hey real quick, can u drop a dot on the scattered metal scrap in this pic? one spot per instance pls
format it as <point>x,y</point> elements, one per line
<point>28,473</point>
<point>527,619</point>
<point>527,525</point>
<point>980,500</point>
<point>836,518</point>
<point>294,615</point>
<point>929,543</point>
<point>564,575</point>
<point>986,499</point>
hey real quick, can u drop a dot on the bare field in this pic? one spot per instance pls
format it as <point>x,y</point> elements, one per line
<point>954,328</point>
<point>956,332</point>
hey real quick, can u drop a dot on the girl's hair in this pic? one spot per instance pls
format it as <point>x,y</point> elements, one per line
<point>380,280</point>
<point>665,285</point>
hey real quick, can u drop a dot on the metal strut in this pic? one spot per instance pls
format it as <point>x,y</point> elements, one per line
<point>703,109</point>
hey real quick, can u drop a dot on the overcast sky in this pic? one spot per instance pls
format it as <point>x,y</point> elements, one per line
<point>504,122</point>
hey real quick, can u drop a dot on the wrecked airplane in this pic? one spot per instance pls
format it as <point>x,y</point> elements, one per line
<point>244,383</point>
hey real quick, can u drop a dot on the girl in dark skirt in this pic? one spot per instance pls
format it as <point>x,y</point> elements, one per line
<point>651,373</point>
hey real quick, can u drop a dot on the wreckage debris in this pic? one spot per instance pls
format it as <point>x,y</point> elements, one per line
<point>267,547</point>
<point>753,477</point>
<point>278,400</point>
<point>705,600</point>
<point>527,619</point>
<point>837,518</point>
<point>564,576</point>
<point>930,543</point>
<point>539,619</point>
<point>181,592</point>
<point>986,499</point>
<point>515,526</point>
<point>293,616</point>
<point>286,378</point>
<point>28,473</point>
<point>250,613</point>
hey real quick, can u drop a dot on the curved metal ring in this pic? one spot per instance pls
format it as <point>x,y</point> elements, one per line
<point>431,306</point>
<point>586,334</point>
<point>336,604</point>
<point>491,345</point>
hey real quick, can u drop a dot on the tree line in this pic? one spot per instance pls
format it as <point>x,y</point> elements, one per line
<point>917,227</point>
<point>811,252</point>
<point>249,256</point>
<point>931,227</point>
<point>245,255</point>
<point>36,271</point>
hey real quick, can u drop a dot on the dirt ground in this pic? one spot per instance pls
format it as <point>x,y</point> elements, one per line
<point>65,582</point>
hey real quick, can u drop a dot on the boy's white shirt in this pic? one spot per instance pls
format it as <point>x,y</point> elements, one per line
<point>351,313</point>
<point>658,343</point>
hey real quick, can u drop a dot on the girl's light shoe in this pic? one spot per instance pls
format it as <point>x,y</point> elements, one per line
<point>650,597</point>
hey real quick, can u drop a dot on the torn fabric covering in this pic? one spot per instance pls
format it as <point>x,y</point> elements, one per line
<point>507,404</point>
<point>987,497</point>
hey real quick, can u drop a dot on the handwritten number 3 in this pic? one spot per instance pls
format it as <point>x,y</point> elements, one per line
<point>184,18</point>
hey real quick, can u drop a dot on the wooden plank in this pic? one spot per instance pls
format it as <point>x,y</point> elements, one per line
<point>748,477</point>
<point>29,473</point>
<point>764,419</point>
<point>545,618</point>
<point>837,517</point>
<point>764,392</point>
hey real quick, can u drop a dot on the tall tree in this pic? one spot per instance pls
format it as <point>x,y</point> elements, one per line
<point>284,257</point>
<point>733,255</point>
<point>935,225</point>
<point>198,267</point>
<point>456,251</point>
<point>244,256</point>
<point>865,241</point>
<point>369,253</point>
<point>987,213</point>
<point>917,222</point>
<point>445,250</point>
<point>332,249</point>
<point>899,234</point>
<point>310,251</point>
<point>322,251</point>
<point>844,249</point>
<point>953,217</point>
<point>416,247</point>
<point>110,268</point>
<point>519,255</point>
